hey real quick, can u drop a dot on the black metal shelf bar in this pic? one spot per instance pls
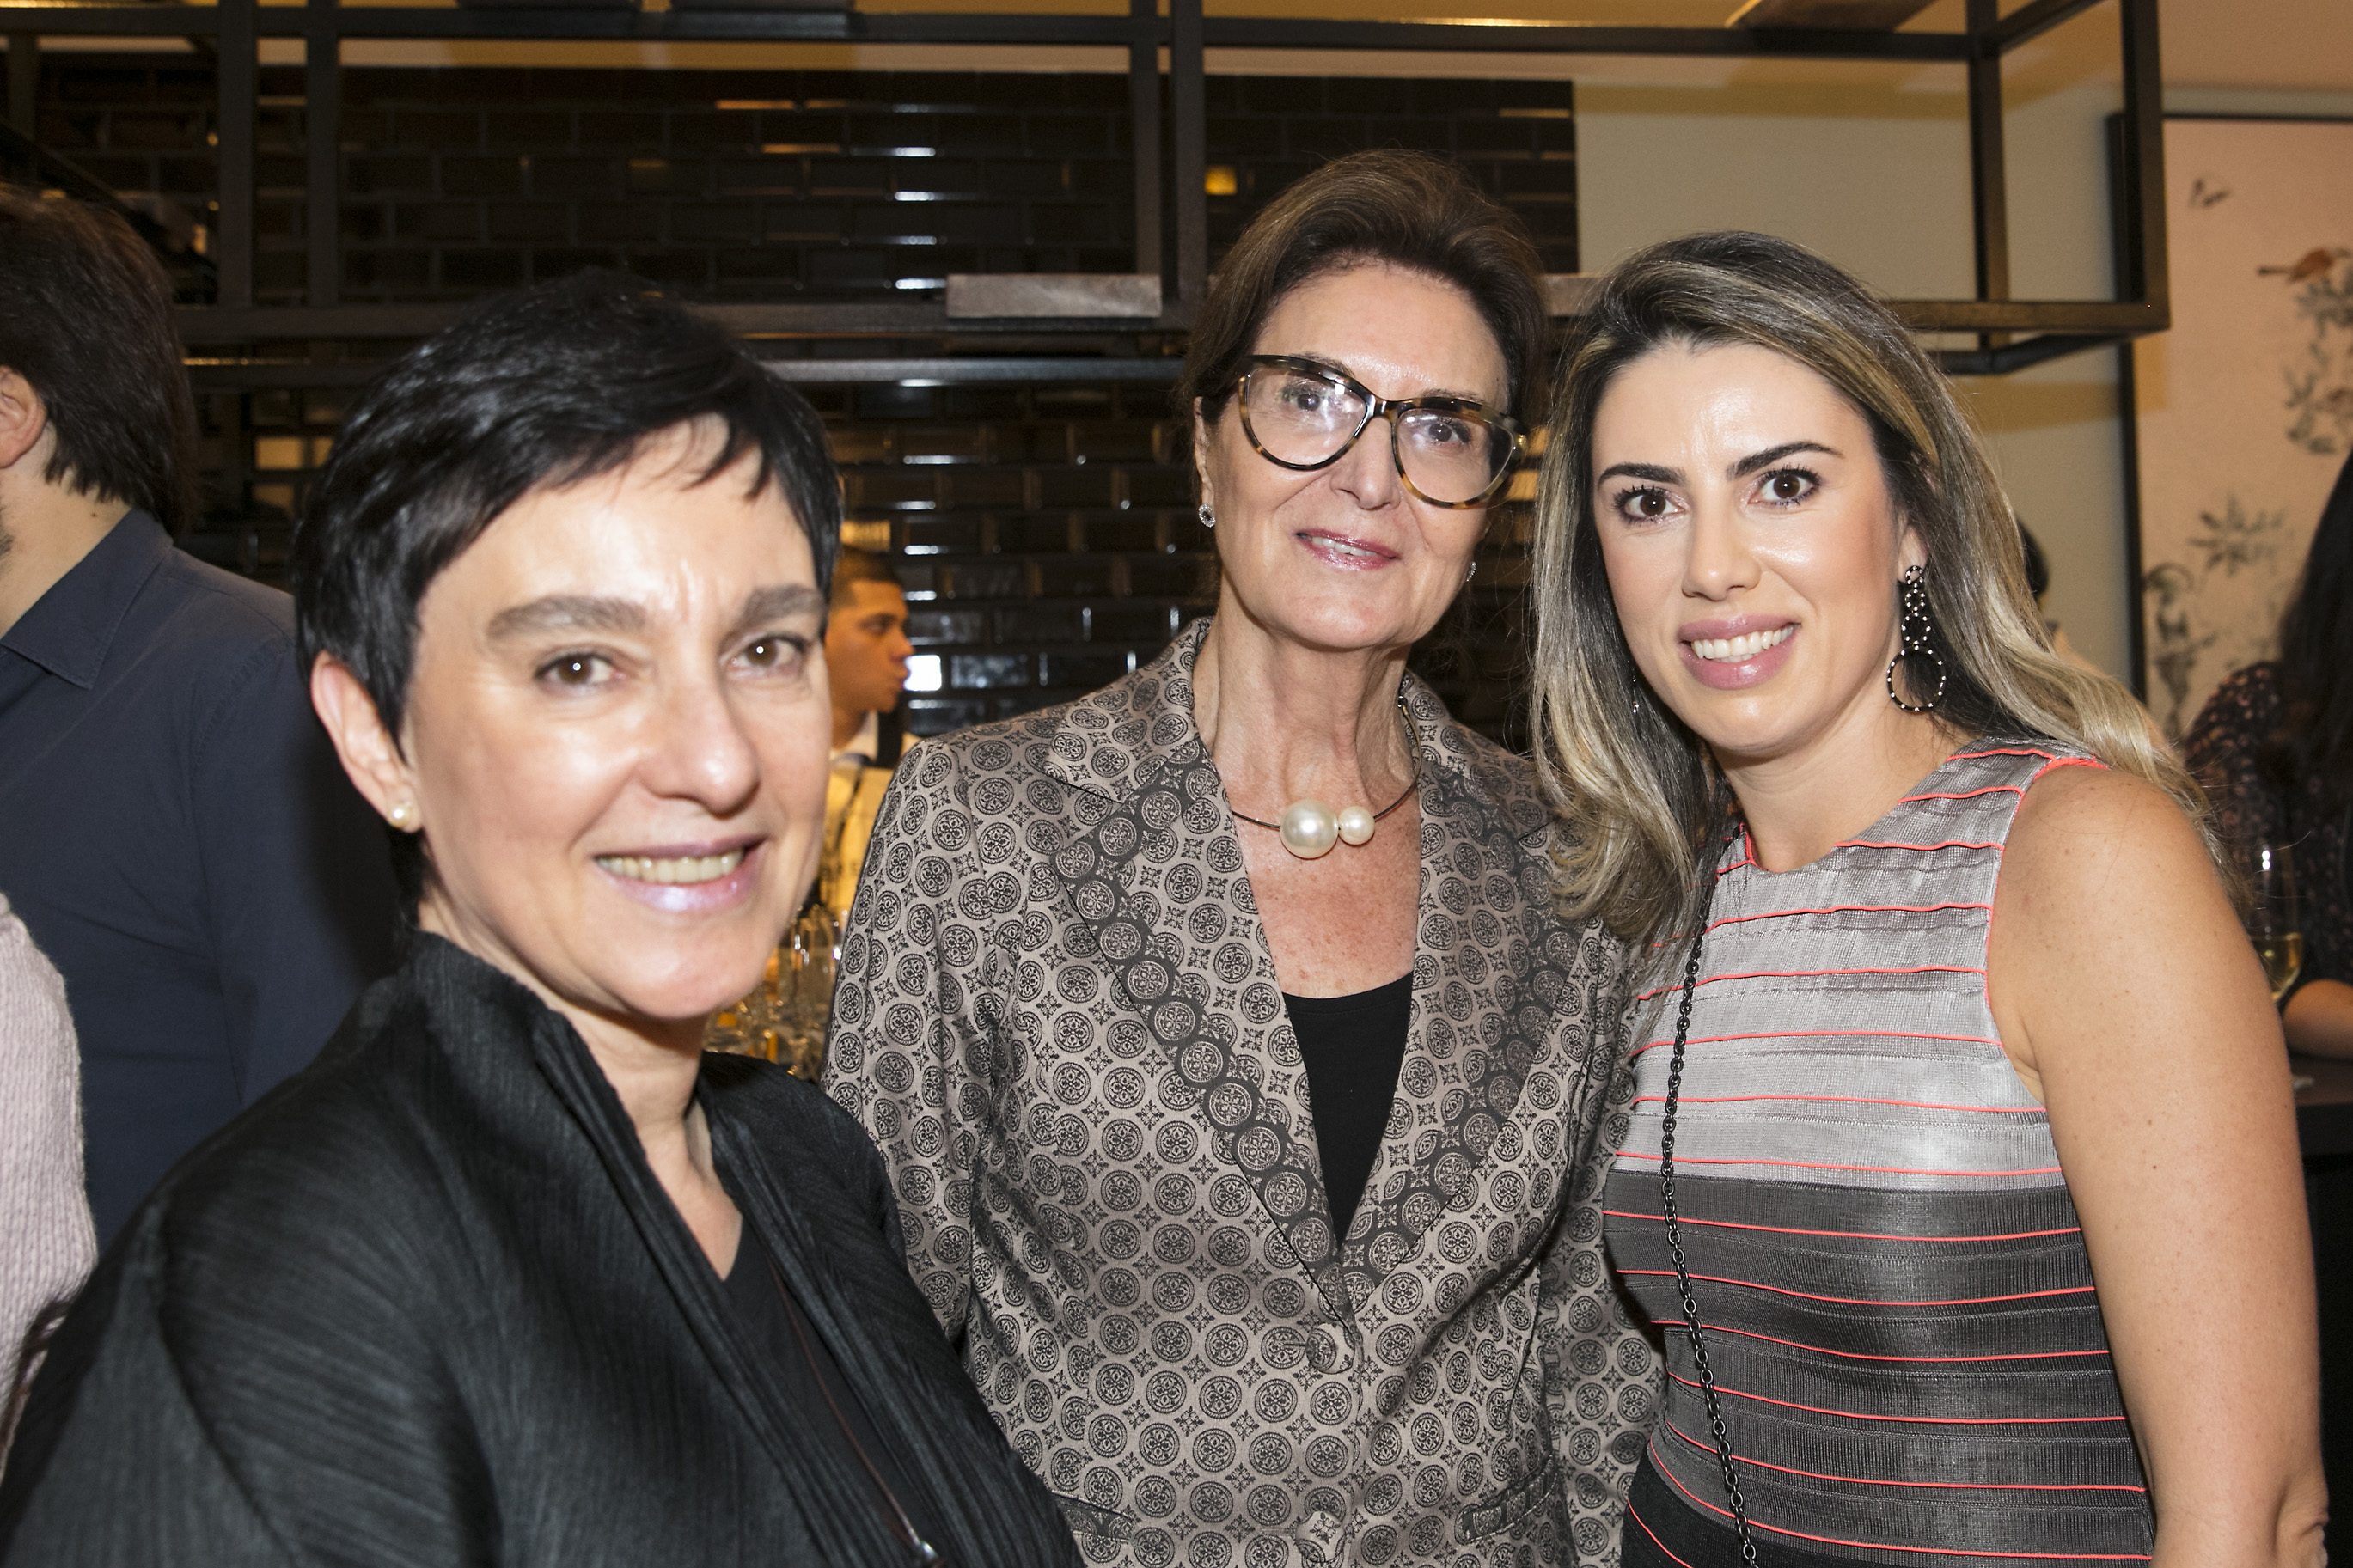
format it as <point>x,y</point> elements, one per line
<point>2032,21</point>
<point>203,324</point>
<point>265,375</point>
<point>1988,183</point>
<point>236,79</point>
<point>2049,328</point>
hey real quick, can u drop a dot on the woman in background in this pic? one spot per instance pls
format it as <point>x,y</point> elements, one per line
<point>2275,747</point>
<point>1236,1075</point>
<point>1962,1175</point>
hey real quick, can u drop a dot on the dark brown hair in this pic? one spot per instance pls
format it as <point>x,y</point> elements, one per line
<point>2316,639</point>
<point>117,394</point>
<point>854,565</point>
<point>1406,209</point>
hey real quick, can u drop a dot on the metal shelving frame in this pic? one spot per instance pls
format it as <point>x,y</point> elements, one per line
<point>2009,334</point>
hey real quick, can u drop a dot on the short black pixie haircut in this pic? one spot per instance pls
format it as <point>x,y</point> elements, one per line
<point>534,390</point>
<point>86,318</point>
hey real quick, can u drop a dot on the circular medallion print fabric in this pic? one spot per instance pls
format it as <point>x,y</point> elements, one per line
<point>1058,1019</point>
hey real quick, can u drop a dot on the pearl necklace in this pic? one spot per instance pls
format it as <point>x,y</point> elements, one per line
<point>1309,828</point>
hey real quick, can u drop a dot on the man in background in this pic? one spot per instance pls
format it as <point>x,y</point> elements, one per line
<point>175,831</point>
<point>866,654</point>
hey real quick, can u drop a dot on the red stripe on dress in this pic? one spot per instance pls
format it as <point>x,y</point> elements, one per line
<point>1861,1300</point>
<point>1709,1449</point>
<point>2061,763</point>
<point>1654,1537</point>
<point>1841,1235</point>
<point>1963,793</point>
<point>1820,1034</point>
<point>1889,1546</point>
<point>1858,1355</point>
<point>1849,909</point>
<point>1840,1100</point>
<point>2001,752</point>
<point>1817,974</point>
<point>1860,1170</point>
<point>1913,1420</point>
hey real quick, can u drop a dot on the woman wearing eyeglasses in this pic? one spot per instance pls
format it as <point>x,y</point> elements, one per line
<point>1235,1073</point>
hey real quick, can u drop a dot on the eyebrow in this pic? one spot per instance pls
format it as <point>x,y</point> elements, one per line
<point>779,601</point>
<point>567,613</point>
<point>1333,365</point>
<point>1739,470</point>
<point>586,613</point>
<point>1772,454</point>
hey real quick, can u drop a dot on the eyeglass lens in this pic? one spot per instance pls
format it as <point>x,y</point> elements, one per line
<point>1449,454</point>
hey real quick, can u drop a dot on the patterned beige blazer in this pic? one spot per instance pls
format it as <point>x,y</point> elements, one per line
<point>1058,1018</point>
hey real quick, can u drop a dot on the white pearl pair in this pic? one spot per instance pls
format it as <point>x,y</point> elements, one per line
<point>1310,827</point>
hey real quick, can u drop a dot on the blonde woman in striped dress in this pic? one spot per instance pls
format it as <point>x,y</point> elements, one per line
<point>1961,1171</point>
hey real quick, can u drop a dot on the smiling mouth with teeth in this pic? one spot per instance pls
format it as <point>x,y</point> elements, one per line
<point>672,870</point>
<point>1732,650</point>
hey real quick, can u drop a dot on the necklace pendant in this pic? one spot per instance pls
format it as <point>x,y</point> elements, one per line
<point>1310,829</point>
<point>1355,826</point>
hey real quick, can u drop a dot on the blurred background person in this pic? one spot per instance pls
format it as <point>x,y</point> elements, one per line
<point>866,654</point>
<point>1237,1075</point>
<point>178,839</point>
<point>2274,746</point>
<point>46,1243</point>
<point>516,1272</point>
<point>1953,1072</point>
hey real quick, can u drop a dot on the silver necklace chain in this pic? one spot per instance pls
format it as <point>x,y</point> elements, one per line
<point>1413,784</point>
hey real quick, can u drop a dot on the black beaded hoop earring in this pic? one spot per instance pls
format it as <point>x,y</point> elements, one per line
<point>1915,633</point>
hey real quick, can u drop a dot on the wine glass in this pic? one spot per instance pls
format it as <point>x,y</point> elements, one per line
<point>2272,922</point>
<point>806,963</point>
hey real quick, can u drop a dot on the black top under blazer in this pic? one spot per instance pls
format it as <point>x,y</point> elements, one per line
<point>426,1303</point>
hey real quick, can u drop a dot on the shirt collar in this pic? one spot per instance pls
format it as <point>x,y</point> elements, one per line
<point>69,629</point>
<point>867,744</point>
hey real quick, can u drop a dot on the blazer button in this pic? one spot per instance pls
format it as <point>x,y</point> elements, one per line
<point>1319,1535</point>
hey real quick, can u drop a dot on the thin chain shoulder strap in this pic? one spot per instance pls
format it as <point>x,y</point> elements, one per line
<point>1674,1223</point>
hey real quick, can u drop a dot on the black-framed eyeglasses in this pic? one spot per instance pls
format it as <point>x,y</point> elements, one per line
<point>1304,414</point>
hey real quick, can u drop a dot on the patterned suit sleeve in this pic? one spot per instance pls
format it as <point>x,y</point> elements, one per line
<point>1602,1373</point>
<point>909,1054</point>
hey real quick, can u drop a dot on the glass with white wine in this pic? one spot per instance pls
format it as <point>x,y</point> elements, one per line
<point>2272,922</point>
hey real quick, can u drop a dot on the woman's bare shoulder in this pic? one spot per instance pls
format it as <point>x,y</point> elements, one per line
<point>2083,827</point>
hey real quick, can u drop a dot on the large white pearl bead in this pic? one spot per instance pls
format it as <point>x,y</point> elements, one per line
<point>1356,825</point>
<point>1309,829</point>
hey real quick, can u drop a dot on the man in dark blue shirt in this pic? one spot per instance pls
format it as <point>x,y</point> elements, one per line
<point>175,829</point>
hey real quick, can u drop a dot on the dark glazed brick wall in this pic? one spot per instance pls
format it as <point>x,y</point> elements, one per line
<point>1046,532</point>
<point>761,184</point>
<point>1050,544</point>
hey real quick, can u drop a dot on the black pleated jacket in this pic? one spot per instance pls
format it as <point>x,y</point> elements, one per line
<point>426,1303</point>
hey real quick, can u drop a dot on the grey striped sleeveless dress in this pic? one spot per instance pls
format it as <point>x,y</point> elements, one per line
<point>1898,1306</point>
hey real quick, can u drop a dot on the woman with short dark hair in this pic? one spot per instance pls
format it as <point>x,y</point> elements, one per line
<point>513,1272</point>
<point>1236,1074</point>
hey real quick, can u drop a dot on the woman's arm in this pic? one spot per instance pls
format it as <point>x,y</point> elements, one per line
<point>2319,1018</point>
<point>906,1054</point>
<point>2132,1005</point>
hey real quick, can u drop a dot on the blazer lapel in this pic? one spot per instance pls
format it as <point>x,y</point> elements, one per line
<point>1491,965</point>
<point>1156,881</point>
<point>851,1533</point>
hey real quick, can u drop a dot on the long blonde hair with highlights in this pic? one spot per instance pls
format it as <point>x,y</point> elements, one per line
<point>1637,788</point>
